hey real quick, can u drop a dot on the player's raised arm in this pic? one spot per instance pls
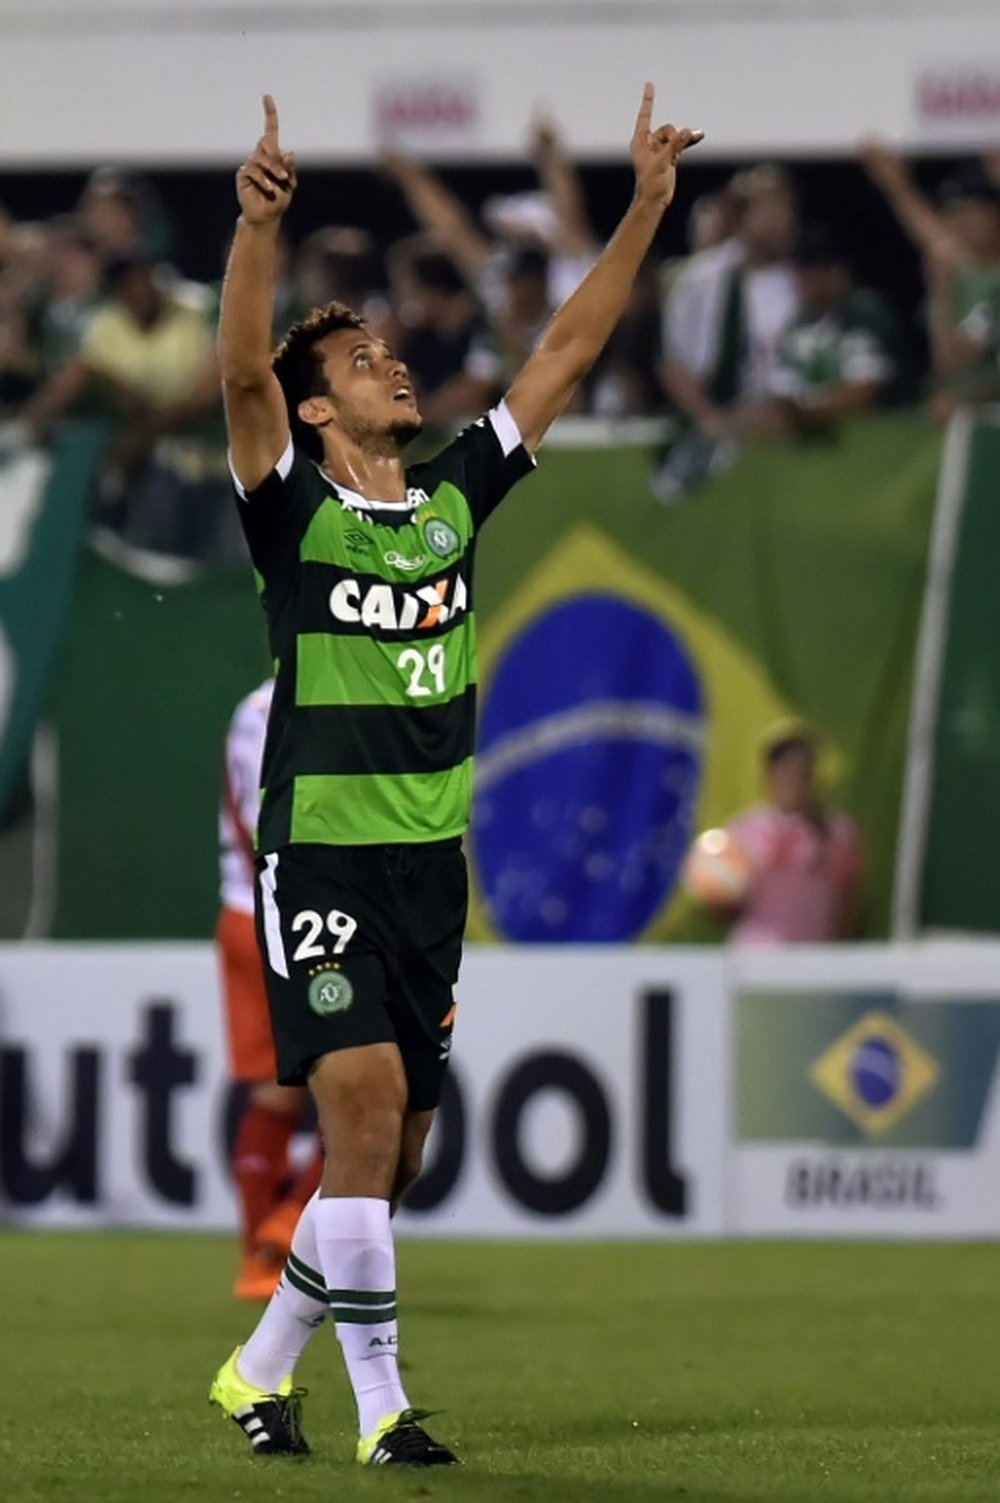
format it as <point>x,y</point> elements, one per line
<point>255,408</point>
<point>582,326</point>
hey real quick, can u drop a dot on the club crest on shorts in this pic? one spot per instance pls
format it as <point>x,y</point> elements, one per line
<point>330,992</point>
<point>440,537</point>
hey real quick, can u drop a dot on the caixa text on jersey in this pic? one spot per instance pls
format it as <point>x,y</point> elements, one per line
<point>389,607</point>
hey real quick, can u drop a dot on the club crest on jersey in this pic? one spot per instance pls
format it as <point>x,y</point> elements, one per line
<point>391,608</point>
<point>440,537</point>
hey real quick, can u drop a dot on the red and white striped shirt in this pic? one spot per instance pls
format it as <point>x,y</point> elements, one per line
<point>241,797</point>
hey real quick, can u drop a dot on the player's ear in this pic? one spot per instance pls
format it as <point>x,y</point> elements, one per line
<point>315,411</point>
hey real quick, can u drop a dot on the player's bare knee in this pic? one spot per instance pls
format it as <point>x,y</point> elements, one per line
<point>363,1126</point>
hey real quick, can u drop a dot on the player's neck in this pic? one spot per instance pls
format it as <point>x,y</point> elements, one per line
<point>373,469</point>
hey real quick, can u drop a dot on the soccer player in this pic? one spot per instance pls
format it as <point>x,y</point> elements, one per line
<point>270,1193</point>
<point>366,572</point>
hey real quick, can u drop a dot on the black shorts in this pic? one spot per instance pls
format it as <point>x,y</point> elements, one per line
<point>361,945</point>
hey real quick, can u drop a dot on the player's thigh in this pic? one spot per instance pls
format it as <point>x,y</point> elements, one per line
<point>323,959</point>
<point>248,1024</point>
<point>351,1086</point>
<point>426,966</point>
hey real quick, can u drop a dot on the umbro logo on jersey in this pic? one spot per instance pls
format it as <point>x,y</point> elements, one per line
<point>389,607</point>
<point>357,542</point>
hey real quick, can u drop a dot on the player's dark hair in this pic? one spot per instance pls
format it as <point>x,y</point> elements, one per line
<point>299,369</point>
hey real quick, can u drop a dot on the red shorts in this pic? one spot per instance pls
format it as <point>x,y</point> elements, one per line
<point>248,1023</point>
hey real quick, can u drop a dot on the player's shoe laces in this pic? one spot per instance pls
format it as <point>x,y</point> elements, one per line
<point>272,1422</point>
<point>400,1441</point>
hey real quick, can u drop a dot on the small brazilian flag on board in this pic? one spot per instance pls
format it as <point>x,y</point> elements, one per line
<point>875,1073</point>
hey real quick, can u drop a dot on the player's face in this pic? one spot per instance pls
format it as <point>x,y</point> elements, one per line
<point>369,390</point>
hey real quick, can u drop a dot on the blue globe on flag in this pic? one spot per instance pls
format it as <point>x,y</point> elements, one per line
<point>590,754</point>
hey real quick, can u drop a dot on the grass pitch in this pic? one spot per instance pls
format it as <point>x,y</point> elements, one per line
<point>600,1373</point>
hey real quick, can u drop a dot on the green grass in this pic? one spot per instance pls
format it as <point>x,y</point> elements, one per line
<point>704,1373</point>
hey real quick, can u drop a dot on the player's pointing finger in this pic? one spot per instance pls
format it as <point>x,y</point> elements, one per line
<point>270,119</point>
<point>645,115</point>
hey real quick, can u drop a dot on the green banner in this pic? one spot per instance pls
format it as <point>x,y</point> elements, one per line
<point>792,584</point>
<point>962,818</point>
<point>149,679</point>
<point>43,504</point>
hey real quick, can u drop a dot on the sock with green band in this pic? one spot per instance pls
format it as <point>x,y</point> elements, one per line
<point>357,1257</point>
<point>294,1312</point>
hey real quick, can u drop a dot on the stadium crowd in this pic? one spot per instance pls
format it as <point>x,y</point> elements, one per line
<point>763,330</point>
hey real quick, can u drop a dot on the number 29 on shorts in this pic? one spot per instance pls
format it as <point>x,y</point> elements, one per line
<point>314,944</point>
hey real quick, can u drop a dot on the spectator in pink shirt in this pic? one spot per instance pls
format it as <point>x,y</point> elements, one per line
<point>805,859</point>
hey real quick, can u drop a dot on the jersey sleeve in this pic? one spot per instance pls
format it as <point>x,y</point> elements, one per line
<point>485,462</point>
<point>276,512</point>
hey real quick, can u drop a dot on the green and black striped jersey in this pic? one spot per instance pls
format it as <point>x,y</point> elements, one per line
<point>372,632</point>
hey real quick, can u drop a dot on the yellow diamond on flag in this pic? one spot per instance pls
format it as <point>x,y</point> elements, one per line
<point>875,1073</point>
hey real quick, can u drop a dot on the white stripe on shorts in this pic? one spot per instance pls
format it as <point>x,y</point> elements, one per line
<point>272,923</point>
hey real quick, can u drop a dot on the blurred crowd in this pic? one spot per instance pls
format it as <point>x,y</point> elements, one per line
<point>764,329</point>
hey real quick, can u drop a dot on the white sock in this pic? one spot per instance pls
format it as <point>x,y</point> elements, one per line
<point>356,1254</point>
<point>295,1311</point>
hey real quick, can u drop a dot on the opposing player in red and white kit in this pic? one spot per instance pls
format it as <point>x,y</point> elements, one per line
<point>271,1193</point>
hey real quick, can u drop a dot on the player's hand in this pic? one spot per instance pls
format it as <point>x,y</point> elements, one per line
<point>655,154</point>
<point>266,181</point>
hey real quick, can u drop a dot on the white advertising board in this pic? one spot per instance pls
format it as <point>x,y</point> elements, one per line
<point>601,1092</point>
<point>593,1088</point>
<point>157,82</point>
<point>112,1087</point>
<point>865,1092</point>
<point>588,1095</point>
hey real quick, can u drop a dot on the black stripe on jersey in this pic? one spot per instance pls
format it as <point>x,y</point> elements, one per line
<point>275,824</point>
<point>333,599</point>
<point>332,739</point>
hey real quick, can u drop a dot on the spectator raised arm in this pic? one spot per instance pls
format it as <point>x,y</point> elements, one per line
<point>440,212</point>
<point>917,215</point>
<point>574,236</point>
